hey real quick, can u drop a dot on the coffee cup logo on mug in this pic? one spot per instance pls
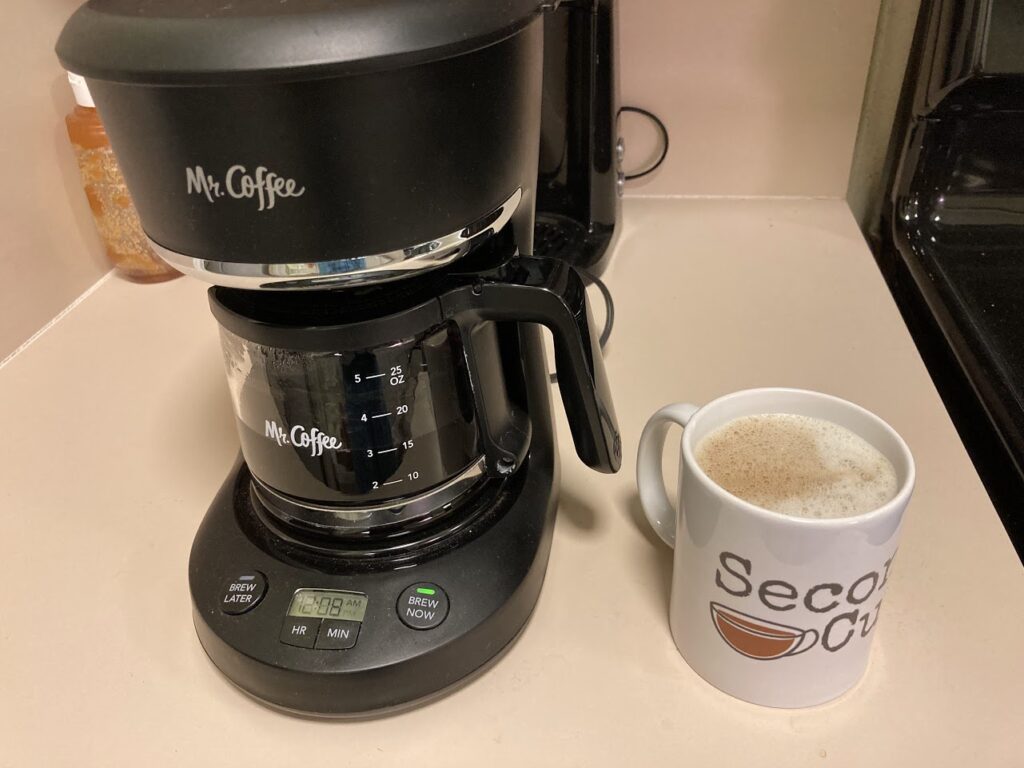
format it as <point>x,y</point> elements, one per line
<point>789,514</point>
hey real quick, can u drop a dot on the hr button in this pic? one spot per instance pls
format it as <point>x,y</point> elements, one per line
<point>300,632</point>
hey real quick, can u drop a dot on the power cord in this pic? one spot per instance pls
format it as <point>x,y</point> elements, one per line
<point>664,141</point>
<point>609,317</point>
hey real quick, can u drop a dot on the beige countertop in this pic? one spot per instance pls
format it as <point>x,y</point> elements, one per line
<point>117,432</point>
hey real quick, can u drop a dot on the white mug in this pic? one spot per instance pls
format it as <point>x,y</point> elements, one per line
<point>772,609</point>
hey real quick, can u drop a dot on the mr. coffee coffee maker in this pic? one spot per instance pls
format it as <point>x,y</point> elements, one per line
<point>360,182</point>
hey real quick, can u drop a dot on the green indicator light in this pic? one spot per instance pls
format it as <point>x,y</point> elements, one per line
<point>424,591</point>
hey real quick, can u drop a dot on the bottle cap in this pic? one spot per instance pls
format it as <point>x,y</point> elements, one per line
<point>78,86</point>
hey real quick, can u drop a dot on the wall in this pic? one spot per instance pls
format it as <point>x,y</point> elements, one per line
<point>49,251</point>
<point>761,97</point>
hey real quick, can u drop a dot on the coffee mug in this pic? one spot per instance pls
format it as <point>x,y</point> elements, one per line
<point>772,609</point>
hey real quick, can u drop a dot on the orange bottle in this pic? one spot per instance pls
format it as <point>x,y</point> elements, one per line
<point>116,219</point>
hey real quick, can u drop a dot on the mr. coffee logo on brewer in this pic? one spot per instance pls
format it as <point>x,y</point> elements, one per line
<point>301,437</point>
<point>263,185</point>
<point>848,610</point>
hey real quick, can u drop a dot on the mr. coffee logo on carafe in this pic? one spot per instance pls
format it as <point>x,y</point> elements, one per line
<point>263,185</point>
<point>301,437</point>
<point>849,611</point>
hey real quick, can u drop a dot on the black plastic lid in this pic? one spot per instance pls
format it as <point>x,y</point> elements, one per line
<point>179,42</point>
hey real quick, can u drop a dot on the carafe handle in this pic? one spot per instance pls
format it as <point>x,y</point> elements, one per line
<point>552,293</point>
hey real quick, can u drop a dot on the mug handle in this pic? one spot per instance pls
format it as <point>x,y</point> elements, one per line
<point>650,480</point>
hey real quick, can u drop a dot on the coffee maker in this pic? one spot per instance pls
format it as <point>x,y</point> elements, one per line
<point>360,183</point>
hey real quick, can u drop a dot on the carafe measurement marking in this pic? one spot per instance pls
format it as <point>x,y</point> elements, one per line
<point>399,411</point>
<point>414,475</point>
<point>397,376</point>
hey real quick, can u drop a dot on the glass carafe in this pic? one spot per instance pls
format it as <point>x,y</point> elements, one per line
<point>357,410</point>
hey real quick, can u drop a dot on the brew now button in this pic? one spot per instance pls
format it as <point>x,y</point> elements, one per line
<point>423,606</point>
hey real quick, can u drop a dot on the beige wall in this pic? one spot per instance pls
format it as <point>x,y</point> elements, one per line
<point>761,97</point>
<point>49,251</point>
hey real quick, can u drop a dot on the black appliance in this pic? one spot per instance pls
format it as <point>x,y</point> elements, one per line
<point>359,181</point>
<point>951,237</point>
<point>581,178</point>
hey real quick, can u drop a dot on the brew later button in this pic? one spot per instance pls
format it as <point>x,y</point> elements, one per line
<point>243,593</point>
<point>423,606</point>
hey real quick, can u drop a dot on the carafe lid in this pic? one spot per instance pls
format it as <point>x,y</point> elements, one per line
<point>176,42</point>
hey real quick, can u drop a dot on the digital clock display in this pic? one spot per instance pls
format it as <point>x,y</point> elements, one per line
<point>328,604</point>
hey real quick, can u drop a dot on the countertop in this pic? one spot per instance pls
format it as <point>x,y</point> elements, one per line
<point>117,432</point>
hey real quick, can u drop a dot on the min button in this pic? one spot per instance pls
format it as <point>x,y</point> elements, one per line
<point>337,635</point>
<point>423,606</point>
<point>243,593</point>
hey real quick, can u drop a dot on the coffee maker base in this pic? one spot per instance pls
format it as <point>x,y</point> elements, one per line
<point>333,637</point>
<point>396,709</point>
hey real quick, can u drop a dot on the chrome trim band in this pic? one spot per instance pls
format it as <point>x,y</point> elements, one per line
<point>346,521</point>
<point>356,270</point>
